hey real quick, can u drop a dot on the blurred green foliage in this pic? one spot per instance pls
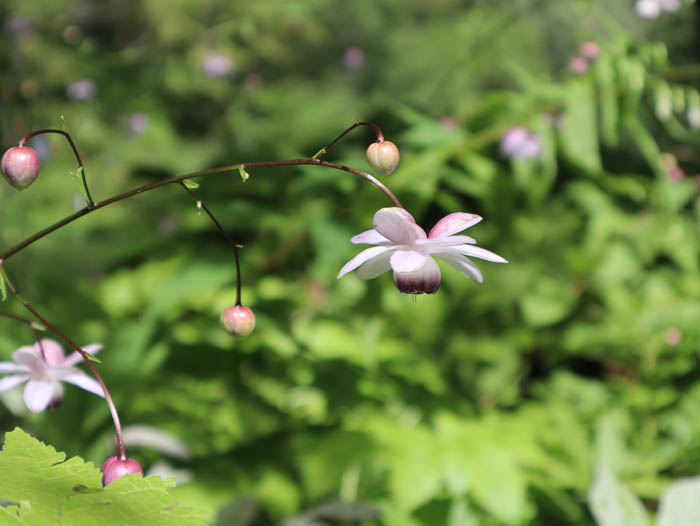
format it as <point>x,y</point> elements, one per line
<point>482,405</point>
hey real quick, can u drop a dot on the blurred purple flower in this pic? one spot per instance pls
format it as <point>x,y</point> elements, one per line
<point>41,146</point>
<point>19,26</point>
<point>521,143</point>
<point>137,123</point>
<point>578,65</point>
<point>217,65</point>
<point>82,90</point>
<point>353,58</point>
<point>44,366</point>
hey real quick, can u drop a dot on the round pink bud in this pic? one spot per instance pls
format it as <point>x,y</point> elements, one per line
<point>239,321</point>
<point>578,65</point>
<point>114,468</point>
<point>589,50</point>
<point>383,157</point>
<point>20,166</point>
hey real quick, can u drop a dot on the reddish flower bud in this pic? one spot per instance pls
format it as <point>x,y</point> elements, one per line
<point>113,468</point>
<point>383,157</point>
<point>239,321</point>
<point>20,166</point>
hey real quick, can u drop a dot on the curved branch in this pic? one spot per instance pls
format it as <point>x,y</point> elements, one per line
<point>141,189</point>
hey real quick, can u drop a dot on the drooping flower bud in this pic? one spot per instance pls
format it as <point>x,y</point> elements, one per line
<point>383,157</point>
<point>239,321</point>
<point>20,166</point>
<point>114,468</point>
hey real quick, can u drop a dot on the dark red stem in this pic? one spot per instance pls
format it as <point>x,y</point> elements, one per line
<point>24,139</point>
<point>141,189</point>
<point>83,354</point>
<point>226,235</point>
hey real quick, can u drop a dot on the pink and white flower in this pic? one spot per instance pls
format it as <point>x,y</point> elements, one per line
<point>44,366</point>
<point>402,246</point>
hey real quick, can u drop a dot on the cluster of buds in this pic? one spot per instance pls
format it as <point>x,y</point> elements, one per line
<point>587,53</point>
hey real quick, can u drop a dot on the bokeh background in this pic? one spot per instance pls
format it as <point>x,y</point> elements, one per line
<point>487,404</point>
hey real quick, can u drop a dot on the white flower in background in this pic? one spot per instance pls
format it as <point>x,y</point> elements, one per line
<point>521,143</point>
<point>652,9</point>
<point>44,366</point>
<point>693,116</point>
<point>217,65</point>
<point>82,90</point>
<point>402,246</point>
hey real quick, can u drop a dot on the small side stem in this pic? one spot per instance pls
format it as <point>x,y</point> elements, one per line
<point>226,235</point>
<point>83,354</point>
<point>324,150</point>
<point>24,139</point>
<point>34,326</point>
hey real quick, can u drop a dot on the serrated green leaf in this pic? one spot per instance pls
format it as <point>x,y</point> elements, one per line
<point>189,183</point>
<point>45,488</point>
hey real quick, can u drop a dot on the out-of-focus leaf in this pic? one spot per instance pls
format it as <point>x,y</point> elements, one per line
<point>613,504</point>
<point>680,503</point>
<point>579,128</point>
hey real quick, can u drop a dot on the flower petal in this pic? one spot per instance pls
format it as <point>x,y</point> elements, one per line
<point>407,260</point>
<point>25,356</point>
<point>12,367</point>
<point>52,351</point>
<point>84,381</point>
<point>37,395</point>
<point>74,357</point>
<point>444,241</point>
<point>425,280</point>
<point>369,237</point>
<point>477,252</point>
<point>462,264</point>
<point>362,257</point>
<point>376,266</point>
<point>453,223</point>
<point>398,226</point>
<point>10,381</point>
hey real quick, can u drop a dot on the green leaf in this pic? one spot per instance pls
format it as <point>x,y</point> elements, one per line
<point>3,288</point>
<point>189,183</point>
<point>244,175</point>
<point>579,129</point>
<point>680,503</point>
<point>613,504</point>
<point>45,488</point>
<point>64,124</point>
<point>78,178</point>
<point>93,358</point>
